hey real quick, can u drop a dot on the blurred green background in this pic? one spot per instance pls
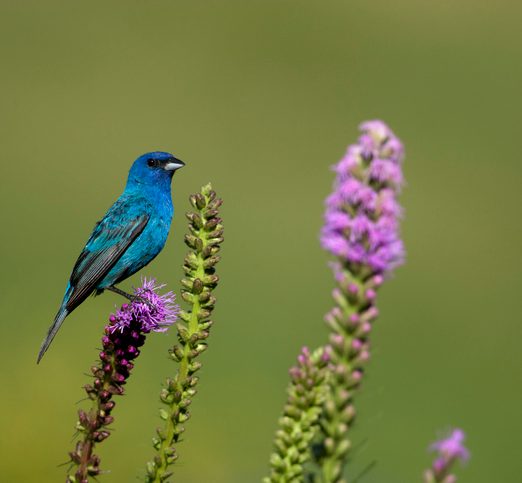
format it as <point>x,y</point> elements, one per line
<point>261,98</point>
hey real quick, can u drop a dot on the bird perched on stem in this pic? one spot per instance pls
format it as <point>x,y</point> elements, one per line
<point>127,238</point>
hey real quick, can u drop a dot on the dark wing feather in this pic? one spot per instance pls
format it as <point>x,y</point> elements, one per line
<point>108,242</point>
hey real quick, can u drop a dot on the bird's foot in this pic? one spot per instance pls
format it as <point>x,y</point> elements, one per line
<point>130,297</point>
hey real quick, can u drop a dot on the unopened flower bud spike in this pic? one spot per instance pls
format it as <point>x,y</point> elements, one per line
<point>203,240</point>
<point>297,426</point>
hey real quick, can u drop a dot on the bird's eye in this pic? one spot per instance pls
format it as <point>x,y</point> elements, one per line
<point>151,162</point>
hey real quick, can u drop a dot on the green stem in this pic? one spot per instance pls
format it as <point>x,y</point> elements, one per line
<point>204,239</point>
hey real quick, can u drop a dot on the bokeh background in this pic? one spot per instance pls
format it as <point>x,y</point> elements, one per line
<point>261,98</point>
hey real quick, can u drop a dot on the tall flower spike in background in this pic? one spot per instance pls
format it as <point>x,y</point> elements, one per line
<point>124,335</point>
<point>204,239</point>
<point>361,230</point>
<point>449,450</point>
<point>297,426</point>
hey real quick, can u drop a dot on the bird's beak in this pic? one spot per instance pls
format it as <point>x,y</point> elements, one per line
<point>173,164</point>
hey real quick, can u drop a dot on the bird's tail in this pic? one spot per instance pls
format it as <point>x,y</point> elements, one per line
<point>58,320</point>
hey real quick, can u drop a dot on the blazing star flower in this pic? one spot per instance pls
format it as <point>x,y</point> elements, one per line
<point>361,230</point>
<point>124,335</point>
<point>449,449</point>
<point>361,218</point>
<point>150,311</point>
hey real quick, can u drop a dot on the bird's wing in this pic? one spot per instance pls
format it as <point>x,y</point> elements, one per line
<point>108,242</point>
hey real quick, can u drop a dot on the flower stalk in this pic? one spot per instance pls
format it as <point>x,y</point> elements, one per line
<point>361,231</point>
<point>204,240</point>
<point>123,336</point>
<point>297,426</point>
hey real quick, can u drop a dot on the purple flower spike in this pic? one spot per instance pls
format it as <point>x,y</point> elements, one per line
<point>361,229</point>
<point>124,334</point>
<point>361,218</point>
<point>449,449</point>
<point>452,447</point>
<point>152,312</point>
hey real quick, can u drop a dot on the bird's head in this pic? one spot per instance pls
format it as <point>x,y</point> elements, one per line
<point>156,168</point>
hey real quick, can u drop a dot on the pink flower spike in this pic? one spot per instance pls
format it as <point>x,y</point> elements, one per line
<point>361,217</point>
<point>153,312</point>
<point>452,447</point>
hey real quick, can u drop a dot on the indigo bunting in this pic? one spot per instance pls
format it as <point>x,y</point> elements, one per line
<point>132,232</point>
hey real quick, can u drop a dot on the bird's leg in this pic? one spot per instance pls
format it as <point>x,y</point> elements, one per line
<point>128,296</point>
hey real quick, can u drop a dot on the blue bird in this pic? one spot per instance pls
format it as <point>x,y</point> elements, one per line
<point>128,237</point>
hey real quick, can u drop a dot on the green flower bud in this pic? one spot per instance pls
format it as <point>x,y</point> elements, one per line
<point>204,237</point>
